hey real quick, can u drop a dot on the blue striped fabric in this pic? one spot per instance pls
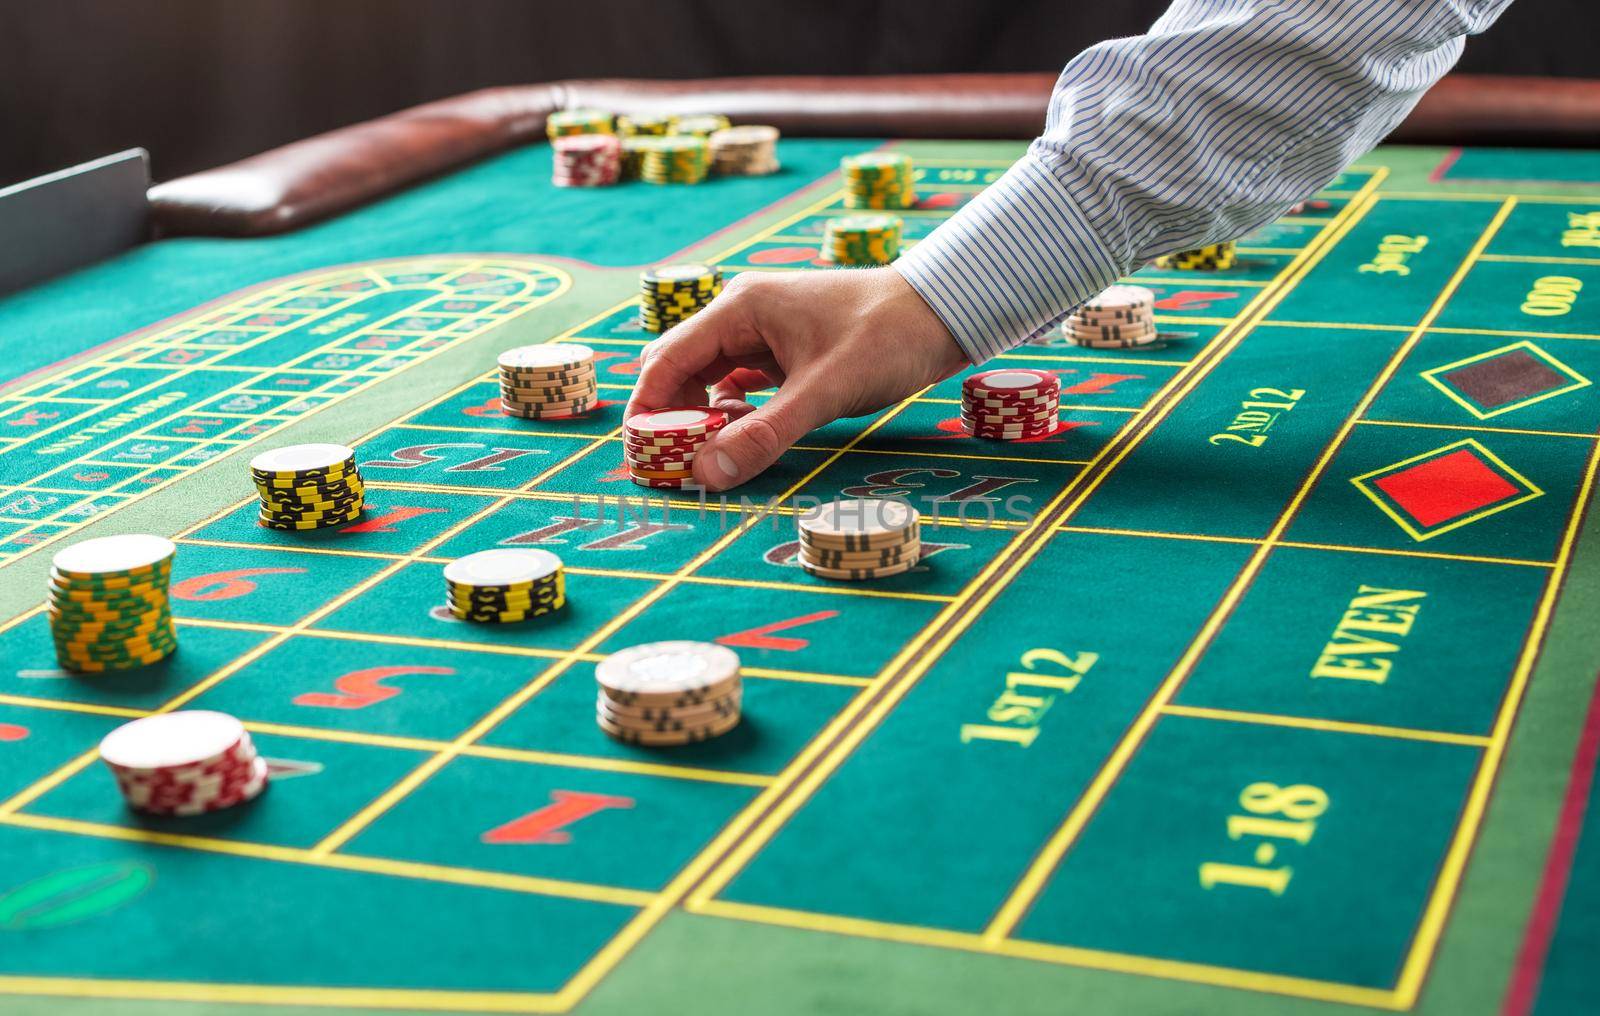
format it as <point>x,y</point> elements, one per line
<point>1222,116</point>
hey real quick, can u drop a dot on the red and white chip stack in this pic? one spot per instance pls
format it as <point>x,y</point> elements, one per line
<point>586,160</point>
<point>184,763</point>
<point>660,445</point>
<point>1011,403</point>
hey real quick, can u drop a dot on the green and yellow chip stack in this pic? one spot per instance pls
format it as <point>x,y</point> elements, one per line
<point>107,603</point>
<point>644,125</point>
<point>676,158</point>
<point>565,122</point>
<point>699,124</point>
<point>309,486</point>
<point>674,293</point>
<point>1216,257</point>
<point>878,180</point>
<point>633,156</point>
<point>862,239</point>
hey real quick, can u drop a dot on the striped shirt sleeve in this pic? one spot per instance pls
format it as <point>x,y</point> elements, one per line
<point>1214,122</point>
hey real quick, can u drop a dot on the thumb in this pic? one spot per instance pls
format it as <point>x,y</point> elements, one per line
<point>742,449</point>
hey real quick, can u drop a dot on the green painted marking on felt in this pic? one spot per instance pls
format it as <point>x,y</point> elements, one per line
<point>72,895</point>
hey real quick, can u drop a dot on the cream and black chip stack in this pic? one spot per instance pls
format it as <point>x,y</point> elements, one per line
<point>550,381</point>
<point>1121,317</point>
<point>746,150</point>
<point>662,694</point>
<point>308,486</point>
<point>673,293</point>
<point>505,585</point>
<point>107,603</point>
<point>864,538</point>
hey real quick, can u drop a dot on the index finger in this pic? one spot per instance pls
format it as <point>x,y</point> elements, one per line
<point>696,353</point>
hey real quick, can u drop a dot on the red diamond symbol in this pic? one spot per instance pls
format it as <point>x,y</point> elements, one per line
<point>1436,491</point>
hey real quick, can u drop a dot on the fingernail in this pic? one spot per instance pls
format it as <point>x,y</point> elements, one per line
<point>725,471</point>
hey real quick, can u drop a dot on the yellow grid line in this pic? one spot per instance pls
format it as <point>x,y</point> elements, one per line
<point>1331,726</point>
<point>1044,865</point>
<point>743,851</point>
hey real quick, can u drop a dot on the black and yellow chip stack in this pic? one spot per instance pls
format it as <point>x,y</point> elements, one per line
<point>566,122</point>
<point>676,158</point>
<point>308,486</point>
<point>862,239</point>
<point>1216,257</point>
<point>700,124</point>
<point>505,585</point>
<point>674,293</point>
<point>108,605</point>
<point>878,180</point>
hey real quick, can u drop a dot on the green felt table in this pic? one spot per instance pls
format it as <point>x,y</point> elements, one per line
<point>1262,686</point>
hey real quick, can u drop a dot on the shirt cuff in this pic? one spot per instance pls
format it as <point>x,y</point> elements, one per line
<point>1010,264</point>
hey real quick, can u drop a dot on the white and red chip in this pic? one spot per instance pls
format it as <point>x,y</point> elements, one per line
<point>676,422</point>
<point>659,445</point>
<point>184,763</point>
<point>586,160</point>
<point>1010,403</point>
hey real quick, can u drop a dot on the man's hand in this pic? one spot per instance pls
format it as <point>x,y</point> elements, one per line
<point>835,343</point>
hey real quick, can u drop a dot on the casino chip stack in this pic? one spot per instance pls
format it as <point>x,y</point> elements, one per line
<point>550,381</point>
<point>1010,403</point>
<point>1121,317</point>
<point>878,180</point>
<point>676,158</point>
<point>633,157</point>
<point>668,693</point>
<point>748,150</point>
<point>506,585</point>
<point>566,122</point>
<point>309,486</point>
<point>644,125</point>
<point>866,538</point>
<point>673,293</point>
<point>1216,257</point>
<point>700,124</point>
<point>861,239</point>
<point>586,160</point>
<point>660,445</point>
<point>184,763</point>
<point>107,603</point>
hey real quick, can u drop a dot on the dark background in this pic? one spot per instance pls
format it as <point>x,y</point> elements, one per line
<point>203,82</point>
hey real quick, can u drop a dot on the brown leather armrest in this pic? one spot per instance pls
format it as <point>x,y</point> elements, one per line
<point>1492,109</point>
<point>309,180</point>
